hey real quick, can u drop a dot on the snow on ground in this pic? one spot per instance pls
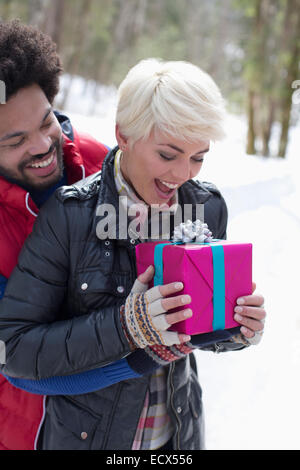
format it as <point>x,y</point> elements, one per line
<point>251,397</point>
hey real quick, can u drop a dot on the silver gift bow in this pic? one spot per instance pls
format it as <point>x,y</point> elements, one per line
<point>188,232</point>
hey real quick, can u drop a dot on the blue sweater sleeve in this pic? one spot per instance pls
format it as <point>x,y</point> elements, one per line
<point>3,282</point>
<point>133,366</point>
<point>84,382</point>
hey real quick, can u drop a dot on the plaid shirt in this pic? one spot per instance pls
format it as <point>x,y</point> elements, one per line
<point>154,427</point>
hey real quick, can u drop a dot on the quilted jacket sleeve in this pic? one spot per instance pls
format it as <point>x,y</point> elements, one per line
<point>38,344</point>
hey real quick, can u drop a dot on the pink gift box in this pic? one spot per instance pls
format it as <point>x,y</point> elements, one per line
<point>192,264</point>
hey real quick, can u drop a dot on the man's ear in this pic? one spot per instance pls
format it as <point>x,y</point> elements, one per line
<point>121,139</point>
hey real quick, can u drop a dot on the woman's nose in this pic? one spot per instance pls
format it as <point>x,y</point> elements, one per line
<point>182,171</point>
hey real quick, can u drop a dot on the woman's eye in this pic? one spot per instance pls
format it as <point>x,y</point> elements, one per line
<point>168,158</point>
<point>164,157</point>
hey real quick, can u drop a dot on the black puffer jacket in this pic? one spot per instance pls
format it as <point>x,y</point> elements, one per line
<point>60,316</point>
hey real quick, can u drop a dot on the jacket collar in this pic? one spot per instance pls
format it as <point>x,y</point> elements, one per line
<point>73,161</point>
<point>107,191</point>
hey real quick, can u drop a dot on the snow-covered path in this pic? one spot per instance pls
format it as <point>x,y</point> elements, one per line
<point>251,397</point>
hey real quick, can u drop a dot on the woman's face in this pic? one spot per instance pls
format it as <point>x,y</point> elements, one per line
<point>158,166</point>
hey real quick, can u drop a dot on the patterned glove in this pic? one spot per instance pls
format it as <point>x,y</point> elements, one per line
<point>143,317</point>
<point>159,353</point>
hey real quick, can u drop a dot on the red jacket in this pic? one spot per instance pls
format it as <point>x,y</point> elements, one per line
<point>21,413</point>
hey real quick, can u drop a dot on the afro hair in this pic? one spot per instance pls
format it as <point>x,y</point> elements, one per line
<point>27,57</point>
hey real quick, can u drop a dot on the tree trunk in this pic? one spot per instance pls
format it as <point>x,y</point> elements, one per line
<point>140,18</point>
<point>285,124</point>
<point>217,61</point>
<point>37,12</point>
<point>53,23</point>
<point>267,128</point>
<point>251,150</point>
<point>65,92</point>
<point>72,64</point>
<point>5,10</point>
<point>48,16</point>
<point>256,51</point>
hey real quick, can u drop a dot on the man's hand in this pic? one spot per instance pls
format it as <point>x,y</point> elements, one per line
<point>250,313</point>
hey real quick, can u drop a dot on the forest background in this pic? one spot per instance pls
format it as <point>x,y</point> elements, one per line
<point>250,47</point>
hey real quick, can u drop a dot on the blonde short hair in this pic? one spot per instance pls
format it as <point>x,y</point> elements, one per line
<point>177,98</point>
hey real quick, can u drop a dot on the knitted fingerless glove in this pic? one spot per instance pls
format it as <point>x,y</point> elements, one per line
<point>144,322</point>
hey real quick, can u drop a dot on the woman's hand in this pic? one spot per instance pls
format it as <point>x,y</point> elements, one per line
<point>146,312</point>
<point>250,313</point>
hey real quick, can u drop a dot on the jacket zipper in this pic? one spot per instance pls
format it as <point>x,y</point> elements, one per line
<point>178,426</point>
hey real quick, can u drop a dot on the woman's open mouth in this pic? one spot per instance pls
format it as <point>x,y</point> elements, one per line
<point>164,189</point>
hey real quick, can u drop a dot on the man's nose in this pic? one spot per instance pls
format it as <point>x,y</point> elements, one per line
<point>39,144</point>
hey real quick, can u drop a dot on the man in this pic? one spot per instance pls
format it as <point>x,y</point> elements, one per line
<point>39,151</point>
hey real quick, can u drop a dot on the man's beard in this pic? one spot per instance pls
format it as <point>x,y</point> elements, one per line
<point>25,181</point>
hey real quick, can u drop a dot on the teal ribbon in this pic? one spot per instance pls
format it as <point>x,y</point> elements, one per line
<point>219,278</point>
<point>158,264</point>
<point>219,287</point>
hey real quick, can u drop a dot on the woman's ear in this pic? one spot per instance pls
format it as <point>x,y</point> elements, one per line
<point>121,139</point>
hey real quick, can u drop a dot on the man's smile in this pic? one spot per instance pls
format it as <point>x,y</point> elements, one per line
<point>45,166</point>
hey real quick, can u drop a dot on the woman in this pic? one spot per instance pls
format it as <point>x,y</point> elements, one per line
<point>72,305</point>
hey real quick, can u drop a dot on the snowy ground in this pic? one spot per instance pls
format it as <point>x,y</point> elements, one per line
<point>251,397</point>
